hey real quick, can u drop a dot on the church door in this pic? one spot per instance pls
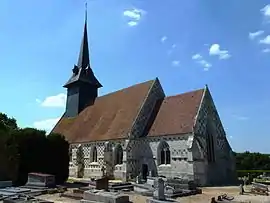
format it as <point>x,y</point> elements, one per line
<point>144,171</point>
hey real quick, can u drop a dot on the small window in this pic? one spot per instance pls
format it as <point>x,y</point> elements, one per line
<point>118,155</point>
<point>164,153</point>
<point>93,154</point>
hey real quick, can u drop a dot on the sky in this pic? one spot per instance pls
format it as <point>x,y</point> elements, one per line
<point>185,43</point>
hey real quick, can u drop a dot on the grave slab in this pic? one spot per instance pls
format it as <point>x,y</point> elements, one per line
<point>41,180</point>
<point>104,196</point>
<point>7,183</point>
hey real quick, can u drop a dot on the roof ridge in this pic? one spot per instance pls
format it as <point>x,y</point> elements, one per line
<point>142,105</point>
<point>200,107</point>
<point>110,93</point>
<point>192,91</point>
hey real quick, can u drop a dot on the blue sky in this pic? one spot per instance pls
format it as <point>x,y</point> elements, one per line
<point>186,43</point>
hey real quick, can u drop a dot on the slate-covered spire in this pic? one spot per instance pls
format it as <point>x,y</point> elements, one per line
<point>82,71</point>
<point>82,86</point>
<point>83,60</point>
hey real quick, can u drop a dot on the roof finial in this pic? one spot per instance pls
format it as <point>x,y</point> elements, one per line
<point>85,11</point>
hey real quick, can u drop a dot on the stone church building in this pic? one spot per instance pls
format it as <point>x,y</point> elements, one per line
<point>140,130</point>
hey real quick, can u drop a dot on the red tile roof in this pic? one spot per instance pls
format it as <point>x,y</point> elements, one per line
<point>111,116</point>
<point>177,114</point>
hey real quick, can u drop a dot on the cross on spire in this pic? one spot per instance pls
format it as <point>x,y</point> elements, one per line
<point>86,11</point>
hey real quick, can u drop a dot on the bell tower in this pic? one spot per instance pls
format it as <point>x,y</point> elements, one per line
<point>82,87</point>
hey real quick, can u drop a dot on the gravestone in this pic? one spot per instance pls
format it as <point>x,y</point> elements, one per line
<point>40,180</point>
<point>99,184</point>
<point>138,179</point>
<point>103,170</point>
<point>150,173</point>
<point>24,200</point>
<point>159,191</point>
<point>7,183</point>
<point>102,183</point>
<point>241,189</point>
<point>158,195</point>
<point>103,196</point>
<point>151,181</point>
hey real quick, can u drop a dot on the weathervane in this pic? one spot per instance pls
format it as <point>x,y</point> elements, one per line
<point>85,10</point>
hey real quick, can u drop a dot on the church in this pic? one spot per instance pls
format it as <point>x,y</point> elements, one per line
<point>139,130</point>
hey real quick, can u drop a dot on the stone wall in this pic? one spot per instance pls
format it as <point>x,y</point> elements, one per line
<point>93,169</point>
<point>145,151</point>
<point>137,152</point>
<point>221,171</point>
<point>181,164</point>
<point>155,93</point>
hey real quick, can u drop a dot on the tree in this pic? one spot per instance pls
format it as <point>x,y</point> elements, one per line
<point>32,146</point>
<point>29,150</point>
<point>8,148</point>
<point>252,161</point>
<point>7,123</point>
<point>59,157</point>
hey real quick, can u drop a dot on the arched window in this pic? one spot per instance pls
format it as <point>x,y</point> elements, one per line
<point>164,154</point>
<point>93,154</point>
<point>118,155</point>
<point>80,155</point>
<point>210,145</point>
<point>108,147</point>
<point>70,155</point>
<point>108,153</point>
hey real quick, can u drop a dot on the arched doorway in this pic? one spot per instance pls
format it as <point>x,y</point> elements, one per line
<point>144,171</point>
<point>118,156</point>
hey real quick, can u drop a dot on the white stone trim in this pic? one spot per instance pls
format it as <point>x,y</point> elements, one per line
<point>200,107</point>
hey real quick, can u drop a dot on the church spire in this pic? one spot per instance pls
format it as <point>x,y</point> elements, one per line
<point>82,86</point>
<point>83,60</point>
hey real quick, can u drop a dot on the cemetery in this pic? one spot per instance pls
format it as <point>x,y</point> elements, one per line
<point>42,188</point>
<point>136,144</point>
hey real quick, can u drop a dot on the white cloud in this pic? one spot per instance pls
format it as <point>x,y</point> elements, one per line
<point>266,40</point>
<point>38,101</point>
<point>242,118</point>
<point>266,11</point>
<point>132,23</point>
<point>196,57</point>
<point>216,51</point>
<point>253,35</point>
<point>175,63</point>
<point>47,124</point>
<point>205,64</point>
<point>163,39</point>
<point>267,50</point>
<point>199,59</point>
<point>54,101</point>
<point>134,15</point>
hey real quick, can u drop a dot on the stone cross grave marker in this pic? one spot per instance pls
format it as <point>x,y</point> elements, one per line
<point>150,173</point>
<point>159,191</point>
<point>103,170</point>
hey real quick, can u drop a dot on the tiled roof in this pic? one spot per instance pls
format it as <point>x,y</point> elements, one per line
<point>177,114</point>
<point>111,116</point>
